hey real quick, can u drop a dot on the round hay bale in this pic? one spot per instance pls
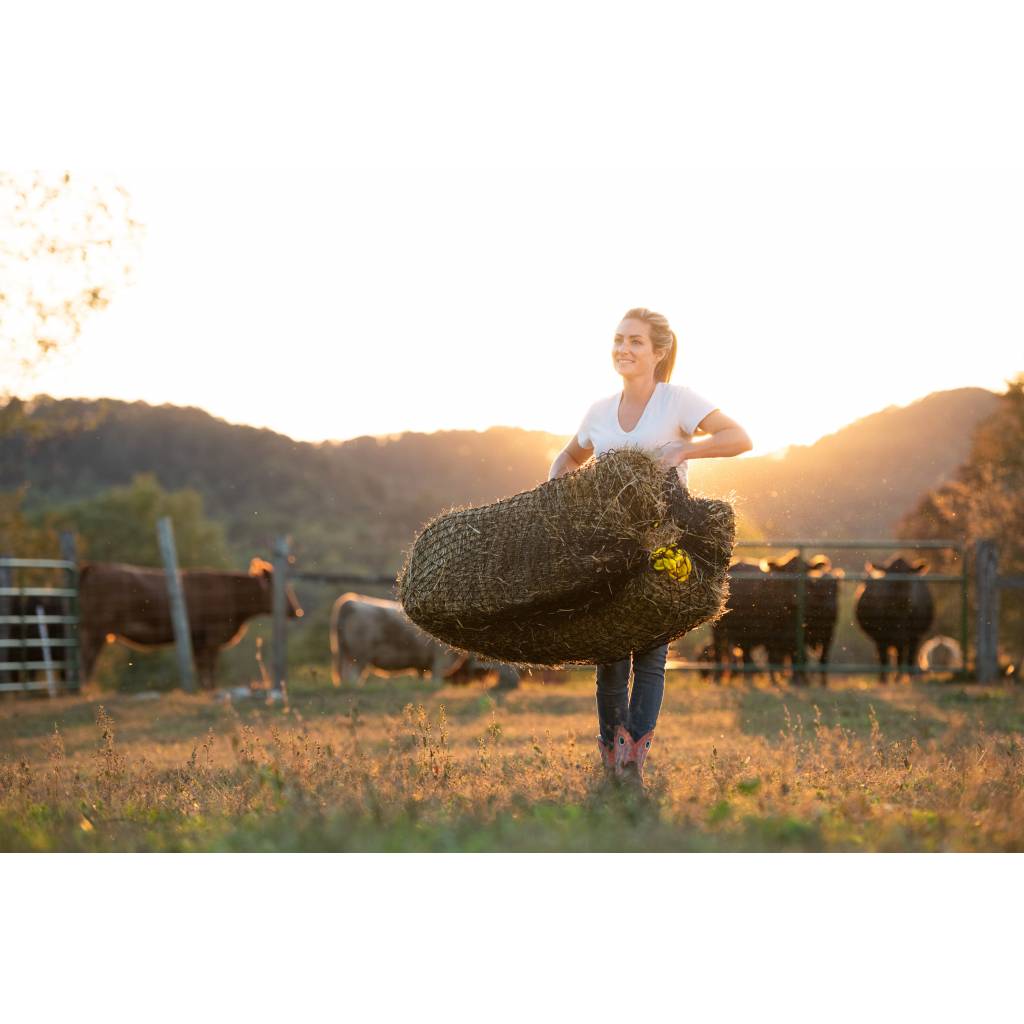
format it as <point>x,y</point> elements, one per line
<point>565,574</point>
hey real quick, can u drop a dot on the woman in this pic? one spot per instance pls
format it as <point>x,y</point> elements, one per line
<point>662,418</point>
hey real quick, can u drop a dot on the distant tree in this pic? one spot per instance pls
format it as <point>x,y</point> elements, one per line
<point>985,498</point>
<point>120,526</point>
<point>66,244</point>
<point>20,536</point>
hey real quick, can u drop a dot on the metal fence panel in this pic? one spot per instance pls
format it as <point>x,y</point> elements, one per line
<point>804,666</point>
<point>28,630</point>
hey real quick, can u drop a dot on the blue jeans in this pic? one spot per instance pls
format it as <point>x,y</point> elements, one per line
<point>637,711</point>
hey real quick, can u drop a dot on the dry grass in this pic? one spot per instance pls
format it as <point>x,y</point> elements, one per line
<point>401,765</point>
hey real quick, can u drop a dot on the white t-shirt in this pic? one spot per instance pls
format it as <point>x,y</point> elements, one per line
<point>672,414</point>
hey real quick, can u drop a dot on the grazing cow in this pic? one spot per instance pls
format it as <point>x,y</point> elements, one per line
<point>130,603</point>
<point>373,633</point>
<point>895,613</point>
<point>506,677</point>
<point>940,654</point>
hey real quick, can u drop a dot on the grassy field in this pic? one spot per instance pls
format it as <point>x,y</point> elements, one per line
<point>399,764</point>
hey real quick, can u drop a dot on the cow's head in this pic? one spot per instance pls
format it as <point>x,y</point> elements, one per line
<point>475,668</point>
<point>264,572</point>
<point>746,567</point>
<point>792,562</point>
<point>460,669</point>
<point>898,564</point>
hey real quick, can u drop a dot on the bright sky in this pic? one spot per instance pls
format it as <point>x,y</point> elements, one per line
<point>830,216</point>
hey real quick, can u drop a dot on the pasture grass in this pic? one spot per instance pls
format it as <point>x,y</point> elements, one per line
<point>400,764</point>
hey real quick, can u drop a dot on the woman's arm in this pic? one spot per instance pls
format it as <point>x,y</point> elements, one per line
<point>727,438</point>
<point>570,458</point>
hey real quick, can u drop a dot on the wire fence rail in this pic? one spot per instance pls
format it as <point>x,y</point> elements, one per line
<point>39,624</point>
<point>803,547</point>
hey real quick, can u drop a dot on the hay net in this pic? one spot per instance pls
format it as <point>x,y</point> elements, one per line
<point>562,574</point>
<point>559,541</point>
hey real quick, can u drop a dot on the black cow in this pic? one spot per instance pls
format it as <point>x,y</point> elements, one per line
<point>821,609</point>
<point>895,613</point>
<point>746,621</point>
<point>761,610</point>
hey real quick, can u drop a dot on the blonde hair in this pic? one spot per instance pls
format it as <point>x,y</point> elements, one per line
<point>663,339</point>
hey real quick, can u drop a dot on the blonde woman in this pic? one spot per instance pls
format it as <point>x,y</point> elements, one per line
<point>662,418</point>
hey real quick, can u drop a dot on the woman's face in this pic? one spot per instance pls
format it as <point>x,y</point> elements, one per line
<point>633,354</point>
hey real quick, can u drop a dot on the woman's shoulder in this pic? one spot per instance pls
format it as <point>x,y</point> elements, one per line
<point>680,390</point>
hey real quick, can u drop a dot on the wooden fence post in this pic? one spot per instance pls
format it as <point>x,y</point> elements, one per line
<point>986,569</point>
<point>176,592</point>
<point>280,608</point>
<point>72,610</point>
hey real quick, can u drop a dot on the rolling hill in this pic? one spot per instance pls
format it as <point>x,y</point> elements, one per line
<point>355,505</point>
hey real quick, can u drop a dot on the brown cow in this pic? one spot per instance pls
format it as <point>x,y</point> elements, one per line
<point>130,603</point>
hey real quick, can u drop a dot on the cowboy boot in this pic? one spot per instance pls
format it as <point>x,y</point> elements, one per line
<point>623,753</point>
<point>607,751</point>
<point>641,748</point>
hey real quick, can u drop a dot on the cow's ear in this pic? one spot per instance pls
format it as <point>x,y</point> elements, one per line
<point>821,562</point>
<point>869,567</point>
<point>260,567</point>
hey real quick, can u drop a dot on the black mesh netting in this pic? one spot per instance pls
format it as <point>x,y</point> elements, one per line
<point>564,574</point>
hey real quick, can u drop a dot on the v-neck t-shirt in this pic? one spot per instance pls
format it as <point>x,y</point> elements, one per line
<point>672,413</point>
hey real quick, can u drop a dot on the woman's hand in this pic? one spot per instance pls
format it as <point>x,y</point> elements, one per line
<point>672,453</point>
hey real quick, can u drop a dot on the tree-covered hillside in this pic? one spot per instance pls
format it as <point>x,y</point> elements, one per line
<point>355,505</point>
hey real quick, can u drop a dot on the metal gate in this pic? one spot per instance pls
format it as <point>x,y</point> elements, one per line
<point>39,624</point>
<point>814,547</point>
